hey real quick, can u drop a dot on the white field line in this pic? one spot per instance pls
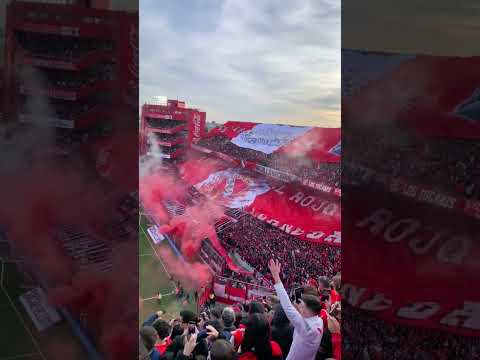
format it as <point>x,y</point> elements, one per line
<point>157,256</point>
<point>155,297</point>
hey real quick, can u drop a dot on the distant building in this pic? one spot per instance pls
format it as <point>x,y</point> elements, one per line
<point>170,129</point>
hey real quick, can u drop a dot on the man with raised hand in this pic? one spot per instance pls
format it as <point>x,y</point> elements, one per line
<point>308,326</point>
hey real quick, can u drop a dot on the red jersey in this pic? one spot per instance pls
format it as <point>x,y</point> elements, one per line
<point>323,315</point>
<point>276,353</point>
<point>238,337</point>
<point>337,346</point>
<point>161,348</point>
<point>334,296</point>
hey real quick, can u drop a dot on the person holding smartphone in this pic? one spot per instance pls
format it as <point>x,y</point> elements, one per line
<point>188,340</point>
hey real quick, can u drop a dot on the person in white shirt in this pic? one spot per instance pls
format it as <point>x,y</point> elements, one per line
<point>308,326</point>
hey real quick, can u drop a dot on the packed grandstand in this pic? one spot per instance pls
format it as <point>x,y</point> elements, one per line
<point>278,193</point>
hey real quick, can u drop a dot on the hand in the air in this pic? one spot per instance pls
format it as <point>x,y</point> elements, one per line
<point>275,266</point>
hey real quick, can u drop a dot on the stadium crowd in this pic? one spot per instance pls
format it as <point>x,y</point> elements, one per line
<point>302,167</point>
<point>303,326</point>
<point>367,337</point>
<point>256,241</point>
<point>449,166</point>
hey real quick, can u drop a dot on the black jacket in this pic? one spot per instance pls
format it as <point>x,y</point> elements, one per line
<point>282,330</point>
<point>326,348</point>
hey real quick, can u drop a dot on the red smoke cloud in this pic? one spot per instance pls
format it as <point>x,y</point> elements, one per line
<point>156,188</point>
<point>192,227</point>
<point>191,173</point>
<point>35,201</point>
<point>106,304</point>
<point>192,275</point>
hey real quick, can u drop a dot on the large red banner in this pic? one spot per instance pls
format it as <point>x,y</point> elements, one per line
<point>312,216</point>
<point>427,258</point>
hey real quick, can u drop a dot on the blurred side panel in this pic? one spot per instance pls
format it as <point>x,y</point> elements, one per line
<point>411,180</point>
<point>69,179</point>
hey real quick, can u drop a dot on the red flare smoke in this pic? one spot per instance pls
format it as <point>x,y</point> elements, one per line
<point>192,275</point>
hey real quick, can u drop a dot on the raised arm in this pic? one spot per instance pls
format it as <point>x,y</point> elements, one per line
<point>293,315</point>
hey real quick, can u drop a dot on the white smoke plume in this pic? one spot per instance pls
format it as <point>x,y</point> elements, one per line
<point>20,143</point>
<point>153,161</point>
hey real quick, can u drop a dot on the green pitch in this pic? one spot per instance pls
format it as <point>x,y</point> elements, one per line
<point>15,337</point>
<point>154,278</point>
<point>19,339</point>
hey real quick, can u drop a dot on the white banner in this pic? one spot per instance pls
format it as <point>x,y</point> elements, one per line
<point>268,138</point>
<point>155,235</point>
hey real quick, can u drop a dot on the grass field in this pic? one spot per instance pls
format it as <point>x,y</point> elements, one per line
<point>16,340</point>
<point>154,278</point>
<point>19,338</point>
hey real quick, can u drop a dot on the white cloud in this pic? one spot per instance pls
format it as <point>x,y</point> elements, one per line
<point>264,61</point>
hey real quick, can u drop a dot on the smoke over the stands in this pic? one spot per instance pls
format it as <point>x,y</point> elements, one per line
<point>193,275</point>
<point>196,224</point>
<point>189,228</point>
<point>299,149</point>
<point>151,164</point>
<point>42,191</point>
<point>106,304</point>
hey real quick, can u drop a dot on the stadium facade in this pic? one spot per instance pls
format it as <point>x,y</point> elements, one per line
<point>70,69</point>
<point>173,128</point>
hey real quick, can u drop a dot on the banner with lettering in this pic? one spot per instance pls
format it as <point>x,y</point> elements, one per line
<point>312,216</point>
<point>427,258</point>
<point>313,143</point>
<point>305,213</point>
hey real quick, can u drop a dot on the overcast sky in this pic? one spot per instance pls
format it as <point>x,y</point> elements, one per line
<point>438,27</point>
<point>261,61</point>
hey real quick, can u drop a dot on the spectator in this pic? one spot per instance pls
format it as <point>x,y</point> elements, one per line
<point>308,327</point>
<point>282,330</point>
<point>334,329</point>
<point>222,350</point>
<point>163,329</point>
<point>142,350</point>
<point>256,344</point>
<point>188,319</point>
<point>152,318</point>
<point>256,308</point>
<point>323,283</point>
<point>149,337</point>
<point>228,319</point>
